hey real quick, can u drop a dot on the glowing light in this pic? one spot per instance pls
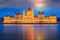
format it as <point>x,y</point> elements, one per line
<point>39,3</point>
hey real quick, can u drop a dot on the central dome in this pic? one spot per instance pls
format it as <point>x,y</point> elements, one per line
<point>29,9</point>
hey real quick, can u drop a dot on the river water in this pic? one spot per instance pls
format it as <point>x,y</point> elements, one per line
<point>29,31</point>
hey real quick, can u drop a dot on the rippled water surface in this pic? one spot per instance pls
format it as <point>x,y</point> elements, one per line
<point>29,31</point>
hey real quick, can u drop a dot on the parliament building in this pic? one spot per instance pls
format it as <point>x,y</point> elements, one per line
<point>29,17</point>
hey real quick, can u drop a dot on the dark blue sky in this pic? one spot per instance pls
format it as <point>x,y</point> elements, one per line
<point>10,7</point>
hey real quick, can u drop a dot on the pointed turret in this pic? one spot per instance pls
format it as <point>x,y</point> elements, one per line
<point>23,12</point>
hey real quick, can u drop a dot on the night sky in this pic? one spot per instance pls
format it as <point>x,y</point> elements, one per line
<point>10,7</point>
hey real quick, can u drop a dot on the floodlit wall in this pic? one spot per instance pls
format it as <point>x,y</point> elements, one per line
<point>30,18</point>
<point>53,19</point>
<point>46,19</point>
<point>6,19</point>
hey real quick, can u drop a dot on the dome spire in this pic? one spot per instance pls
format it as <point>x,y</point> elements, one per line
<point>29,9</point>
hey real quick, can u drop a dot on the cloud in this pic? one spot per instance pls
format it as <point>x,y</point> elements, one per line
<point>54,4</point>
<point>13,3</point>
<point>39,3</point>
<point>55,0</point>
<point>26,3</point>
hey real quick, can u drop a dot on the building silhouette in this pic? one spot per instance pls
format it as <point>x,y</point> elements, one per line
<point>29,17</point>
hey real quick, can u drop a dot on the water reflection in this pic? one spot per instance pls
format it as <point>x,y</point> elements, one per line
<point>30,31</point>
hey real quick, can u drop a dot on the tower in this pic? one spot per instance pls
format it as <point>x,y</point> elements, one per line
<point>30,12</point>
<point>23,12</point>
<point>7,19</point>
<point>41,16</point>
<point>18,17</point>
<point>29,17</point>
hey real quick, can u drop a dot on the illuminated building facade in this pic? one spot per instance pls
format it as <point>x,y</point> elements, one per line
<point>30,18</point>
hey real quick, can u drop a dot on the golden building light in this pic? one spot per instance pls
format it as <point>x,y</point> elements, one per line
<point>30,18</point>
<point>7,19</point>
<point>53,18</point>
<point>18,15</point>
<point>41,16</point>
<point>12,19</point>
<point>36,19</point>
<point>30,12</point>
<point>46,19</point>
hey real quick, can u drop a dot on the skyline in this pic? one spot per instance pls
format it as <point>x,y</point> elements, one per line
<point>10,7</point>
<point>28,17</point>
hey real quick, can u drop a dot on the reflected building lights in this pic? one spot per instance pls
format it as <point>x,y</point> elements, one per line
<point>32,31</point>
